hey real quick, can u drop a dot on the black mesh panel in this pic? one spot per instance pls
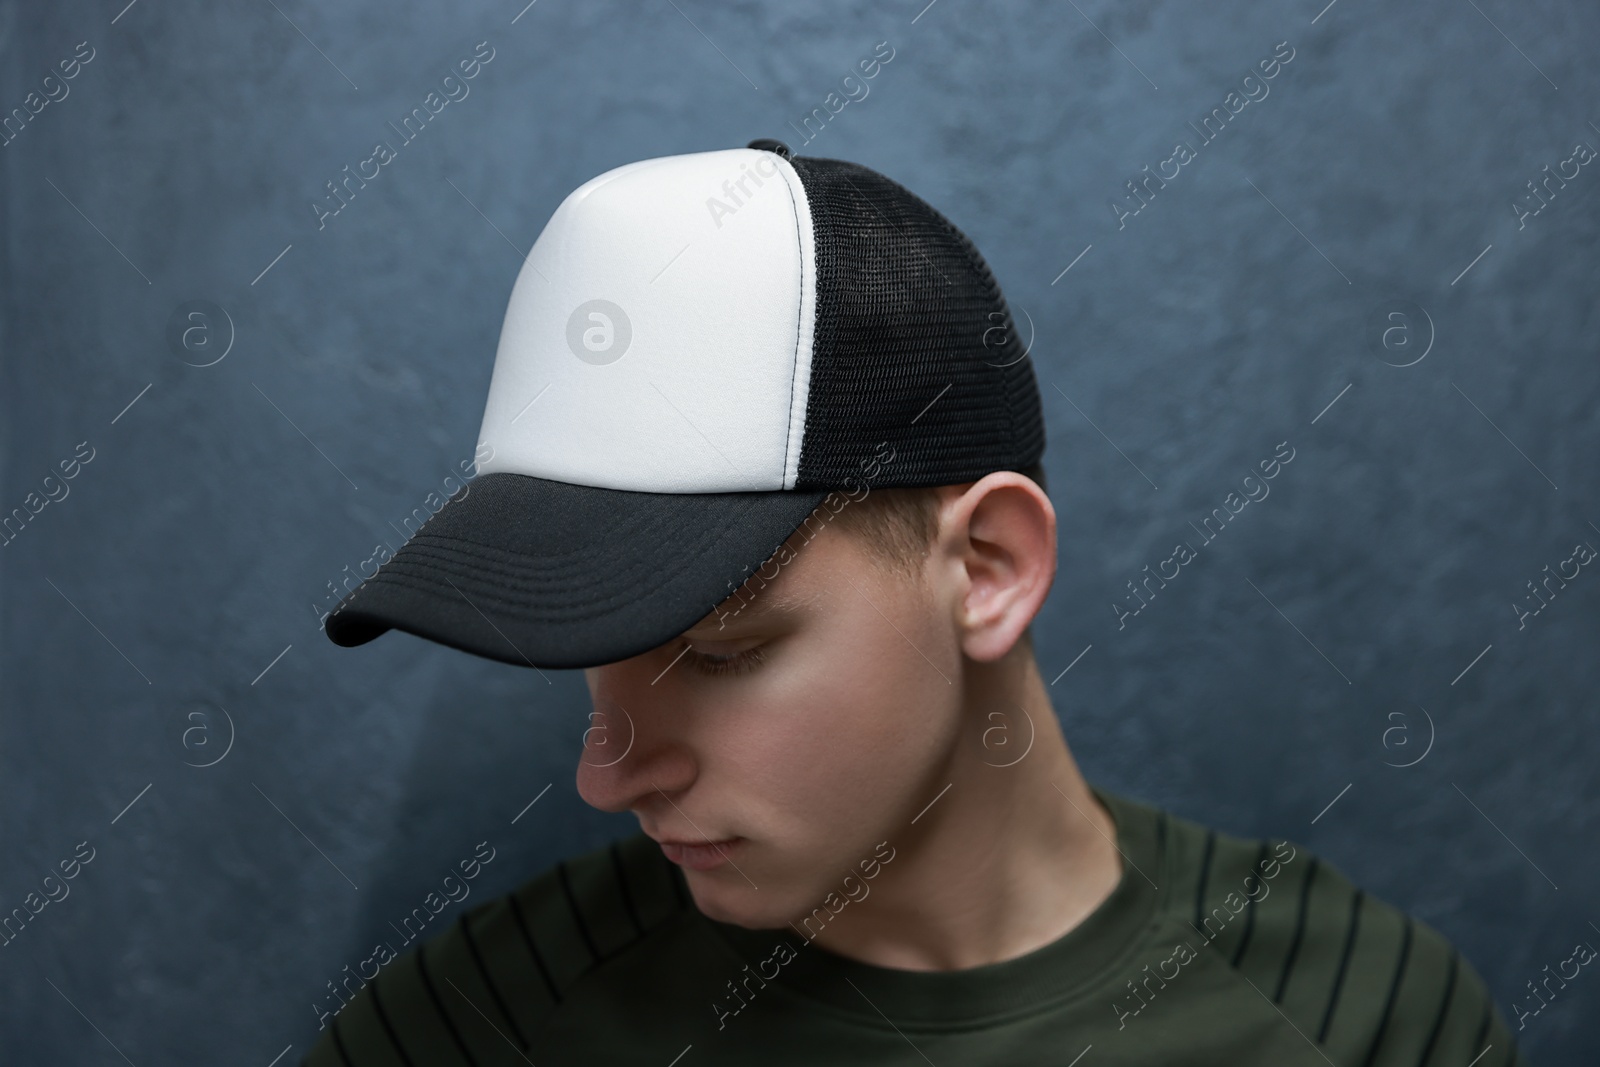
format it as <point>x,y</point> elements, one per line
<point>906,306</point>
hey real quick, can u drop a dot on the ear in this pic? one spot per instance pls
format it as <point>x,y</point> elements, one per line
<point>1003,531</point>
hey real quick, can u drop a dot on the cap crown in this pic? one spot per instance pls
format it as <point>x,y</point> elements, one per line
<point>737,320</point>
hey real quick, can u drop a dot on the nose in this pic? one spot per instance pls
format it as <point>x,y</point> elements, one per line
<point>636,743</point>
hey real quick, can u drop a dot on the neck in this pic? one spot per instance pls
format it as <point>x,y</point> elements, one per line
<point>1013,855</point>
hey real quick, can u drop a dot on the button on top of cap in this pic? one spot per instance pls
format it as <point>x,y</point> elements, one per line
<point>769,145</point>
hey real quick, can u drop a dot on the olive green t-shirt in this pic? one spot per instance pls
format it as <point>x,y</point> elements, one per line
<point>1212,949</point>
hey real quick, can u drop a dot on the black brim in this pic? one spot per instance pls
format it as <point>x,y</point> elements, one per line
<point>541,573</point>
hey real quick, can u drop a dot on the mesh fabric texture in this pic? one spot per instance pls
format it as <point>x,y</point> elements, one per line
<point>914,344</point>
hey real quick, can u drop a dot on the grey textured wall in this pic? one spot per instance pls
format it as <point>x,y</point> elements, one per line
<point>167,604</point>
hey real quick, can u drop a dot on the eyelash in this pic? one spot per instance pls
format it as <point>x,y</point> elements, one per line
<point>738,663</point>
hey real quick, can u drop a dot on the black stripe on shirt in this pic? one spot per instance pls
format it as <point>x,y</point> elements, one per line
<point>577,916</point>
<point>1444,1009</point>
<point>1394,988</point>
<point>438,1004</point>
<point>527,939</point>
<point>622,886</point>
<point>499,1001</point>
<point>1344,962</point>
<point>388,1028</point>
<point>1205,873</point>
<point>338,1043</point>
<point>1250,916</point>
<point>1299,932</point>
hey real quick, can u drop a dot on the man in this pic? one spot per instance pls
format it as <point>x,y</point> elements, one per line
<point>766,466</point>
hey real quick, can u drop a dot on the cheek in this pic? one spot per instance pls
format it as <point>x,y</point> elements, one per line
<point>837,748</point>
<point>856,723</point>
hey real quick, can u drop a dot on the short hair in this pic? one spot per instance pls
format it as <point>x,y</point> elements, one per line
<point>898,524</point>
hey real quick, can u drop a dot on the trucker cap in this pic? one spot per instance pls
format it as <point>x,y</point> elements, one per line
<point>699,351</point>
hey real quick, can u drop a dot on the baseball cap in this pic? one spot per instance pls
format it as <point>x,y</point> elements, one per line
<point>698,352</point>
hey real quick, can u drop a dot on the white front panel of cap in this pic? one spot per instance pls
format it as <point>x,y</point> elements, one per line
<point>658,337</point>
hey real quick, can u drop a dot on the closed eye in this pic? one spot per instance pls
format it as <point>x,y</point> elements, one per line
<point>735,663</point>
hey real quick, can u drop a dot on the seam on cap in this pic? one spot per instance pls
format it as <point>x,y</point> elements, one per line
<point>807,283</point>
<point>503,596</point>
<point>799,310</point>
<point>350,600</point>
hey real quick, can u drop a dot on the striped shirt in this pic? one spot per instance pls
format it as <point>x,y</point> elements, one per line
<point>1212,949</point>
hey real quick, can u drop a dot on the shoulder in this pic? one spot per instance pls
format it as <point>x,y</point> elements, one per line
<point>482,989</point>
<point>1361,979</point>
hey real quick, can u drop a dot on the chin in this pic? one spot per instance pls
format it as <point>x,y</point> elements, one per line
<point>734,907</point>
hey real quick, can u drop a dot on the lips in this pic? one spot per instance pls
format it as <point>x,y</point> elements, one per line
<point>699,855</point>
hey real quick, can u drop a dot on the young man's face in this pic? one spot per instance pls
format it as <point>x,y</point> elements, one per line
<point>801,765</point>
